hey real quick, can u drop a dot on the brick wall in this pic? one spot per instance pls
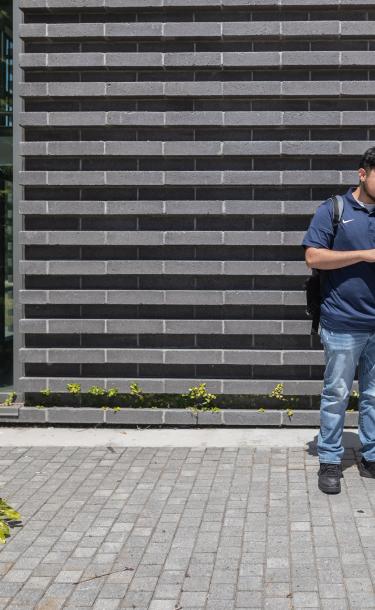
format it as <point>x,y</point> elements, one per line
<point>173,152</point>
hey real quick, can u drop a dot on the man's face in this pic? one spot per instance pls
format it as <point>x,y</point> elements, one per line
<point>367,181</point>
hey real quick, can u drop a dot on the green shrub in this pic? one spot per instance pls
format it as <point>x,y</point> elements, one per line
<point>7,515</point>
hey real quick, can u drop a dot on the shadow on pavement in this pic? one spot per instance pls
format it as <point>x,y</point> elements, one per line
<point>351,443</point>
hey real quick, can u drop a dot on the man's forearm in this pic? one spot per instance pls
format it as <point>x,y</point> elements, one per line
<point>322,258</point>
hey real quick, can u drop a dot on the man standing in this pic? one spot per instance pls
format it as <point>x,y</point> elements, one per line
<point>347,320</point>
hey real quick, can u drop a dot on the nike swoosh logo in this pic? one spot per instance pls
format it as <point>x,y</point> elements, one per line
<point>350,220</point>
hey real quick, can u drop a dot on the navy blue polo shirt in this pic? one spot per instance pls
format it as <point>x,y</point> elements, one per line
<point>349,293</point>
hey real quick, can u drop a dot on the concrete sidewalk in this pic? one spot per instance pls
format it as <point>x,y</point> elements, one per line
<point>167,520</point>
<point>162,437</point>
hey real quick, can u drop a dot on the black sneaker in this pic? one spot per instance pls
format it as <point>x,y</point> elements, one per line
<point>329,478</point>
<point>367,469</point>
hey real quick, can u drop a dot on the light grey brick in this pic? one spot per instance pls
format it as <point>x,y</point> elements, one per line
<point>197,29</point>
<point>128,415</point>
<point>33,267</point>
<point>241,417</point>
<point>33,148</point>
<point>32,60</point>
<point>134,59</point>
<point>308,58</point>
<point>311,118</point>
<point>132,30</point>
<point>134,237</point>
<point>204,117</point>
<point>243,177</point>
<point>76,355</point>
<point>252,118</point>
<point>133,148</point>
<point>33,325</point>
<point>129,177</point>
<point>131,296</point>
<point>311,88</point>
<point>246,28</point>
<point>180,417</point>
<point>32,118</point>
<point>32,89</point>
<point>140,326</point>
<point>75,30</point>
<point>356,28</point>
<point>251,88</point>
<point>253,237</point>
<point>75,89</point>
<point>134,355</point>
<point>310,28</point>
<point>74,237</point>
<point>77,267</point>
<point>76,296</point>
<point>77,118</point>
<point>75,148</point>
<point>32,354</point>
<point>134,88</point>
<point>251,59</point>
<point>300,417</point>
<point>252,357</point>
<point>194,148</point>
<point>135,267</point>
<point>70,415</point>
<point>30,178</point>
<point>75,59</point>
<point>61,177</point>
<point>192,59</point>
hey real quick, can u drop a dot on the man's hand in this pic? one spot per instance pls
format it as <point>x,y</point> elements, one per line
<point>323,258</point>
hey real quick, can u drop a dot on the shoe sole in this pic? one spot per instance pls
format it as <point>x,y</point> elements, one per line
<point>329,490</point>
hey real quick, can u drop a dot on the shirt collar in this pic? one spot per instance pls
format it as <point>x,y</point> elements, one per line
<point>349,197</point>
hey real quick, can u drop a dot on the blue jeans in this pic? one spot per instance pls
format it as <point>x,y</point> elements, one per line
<point>343,352</point>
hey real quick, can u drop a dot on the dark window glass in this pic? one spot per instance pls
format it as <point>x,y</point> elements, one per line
<point>6,197</point>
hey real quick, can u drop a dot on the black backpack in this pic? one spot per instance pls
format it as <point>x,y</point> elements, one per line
<point>313,286</point>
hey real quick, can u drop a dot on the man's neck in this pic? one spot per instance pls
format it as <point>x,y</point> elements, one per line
<point>360,195</point>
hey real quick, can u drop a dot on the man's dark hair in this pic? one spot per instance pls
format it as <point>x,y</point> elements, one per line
<point>367,161</point>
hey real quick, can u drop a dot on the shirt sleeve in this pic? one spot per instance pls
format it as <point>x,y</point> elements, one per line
<point>320,231</point>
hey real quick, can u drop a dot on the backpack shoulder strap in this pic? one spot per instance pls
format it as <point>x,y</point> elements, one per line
<point>338,208</point>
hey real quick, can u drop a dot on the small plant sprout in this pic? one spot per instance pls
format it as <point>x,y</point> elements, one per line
<point>278,392</point>
<point>46,392</point>
<point>353,401</point>
<point>96,390</point>
<point>116,408</point>
<point>136,391</point>
<point>199,398</point>
<point>7,514</point>
<point>74,388</point>
<point>112,392</point>
<point>11,397</point>
<point>261,410</point>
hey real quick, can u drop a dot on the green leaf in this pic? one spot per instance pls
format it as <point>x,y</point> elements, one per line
<point>4,528</point>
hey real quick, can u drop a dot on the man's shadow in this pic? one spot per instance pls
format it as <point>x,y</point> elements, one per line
<point>351,444</point>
